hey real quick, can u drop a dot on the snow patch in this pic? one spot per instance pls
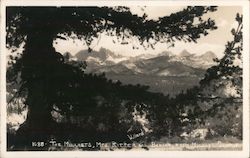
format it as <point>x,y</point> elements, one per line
<point>116,60</point>
<point>92,59</point>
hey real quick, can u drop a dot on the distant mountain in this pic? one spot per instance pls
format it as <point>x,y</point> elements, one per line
<point>160,73</point>
<point>209,56</point>
<point>157,66</point>
<point>163,72</point>
<point>144,56</point>
<point>105,57</point>
<point>184,53</point>
<point>95,59</point>
<point>203,61</point>
<point>102,55</point>
<point>166,53</point>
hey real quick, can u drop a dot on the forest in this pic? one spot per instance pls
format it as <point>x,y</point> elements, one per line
<point>64,103</point>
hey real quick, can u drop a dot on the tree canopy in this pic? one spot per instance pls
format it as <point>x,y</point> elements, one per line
<point>217,102</point>
<point>87,22</point>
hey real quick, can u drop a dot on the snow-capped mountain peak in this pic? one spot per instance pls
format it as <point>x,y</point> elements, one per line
<point>184,53</point>
<point>103,55</point>
<point>209,55</point>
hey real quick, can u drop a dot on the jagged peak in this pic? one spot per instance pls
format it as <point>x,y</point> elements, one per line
<point>166,53</point>
<point>209,54</point>
<point>185,53</point>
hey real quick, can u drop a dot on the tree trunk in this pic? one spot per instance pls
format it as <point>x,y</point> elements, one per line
<point>39,64</point>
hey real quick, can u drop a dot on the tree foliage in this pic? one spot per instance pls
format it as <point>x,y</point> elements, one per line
<point>217,103</point>
<point>224,83</point>
<point>87,22</point>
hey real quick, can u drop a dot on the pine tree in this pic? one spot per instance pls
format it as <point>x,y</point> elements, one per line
<point>222,88</point>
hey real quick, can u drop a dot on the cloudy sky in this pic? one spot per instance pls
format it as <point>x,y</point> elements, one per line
<point>215,41</point>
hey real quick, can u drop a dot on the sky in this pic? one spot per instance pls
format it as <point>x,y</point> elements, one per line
<point>215,41</point>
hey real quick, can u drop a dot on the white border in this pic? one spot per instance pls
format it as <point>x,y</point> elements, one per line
<point>229,154</point>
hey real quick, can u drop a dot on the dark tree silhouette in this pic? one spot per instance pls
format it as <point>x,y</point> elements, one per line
<point>223,85</point>
<point>47,78</point>
<point>217,102</point>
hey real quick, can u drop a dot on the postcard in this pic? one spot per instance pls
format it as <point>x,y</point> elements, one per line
<point>124,78</point>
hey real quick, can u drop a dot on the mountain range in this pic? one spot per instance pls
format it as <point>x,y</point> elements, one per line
<point>165,72</point>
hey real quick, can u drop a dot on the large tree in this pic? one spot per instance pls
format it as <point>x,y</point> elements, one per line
<point>222,87</point>
<point>43,71</point>
<point>216,103</point>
